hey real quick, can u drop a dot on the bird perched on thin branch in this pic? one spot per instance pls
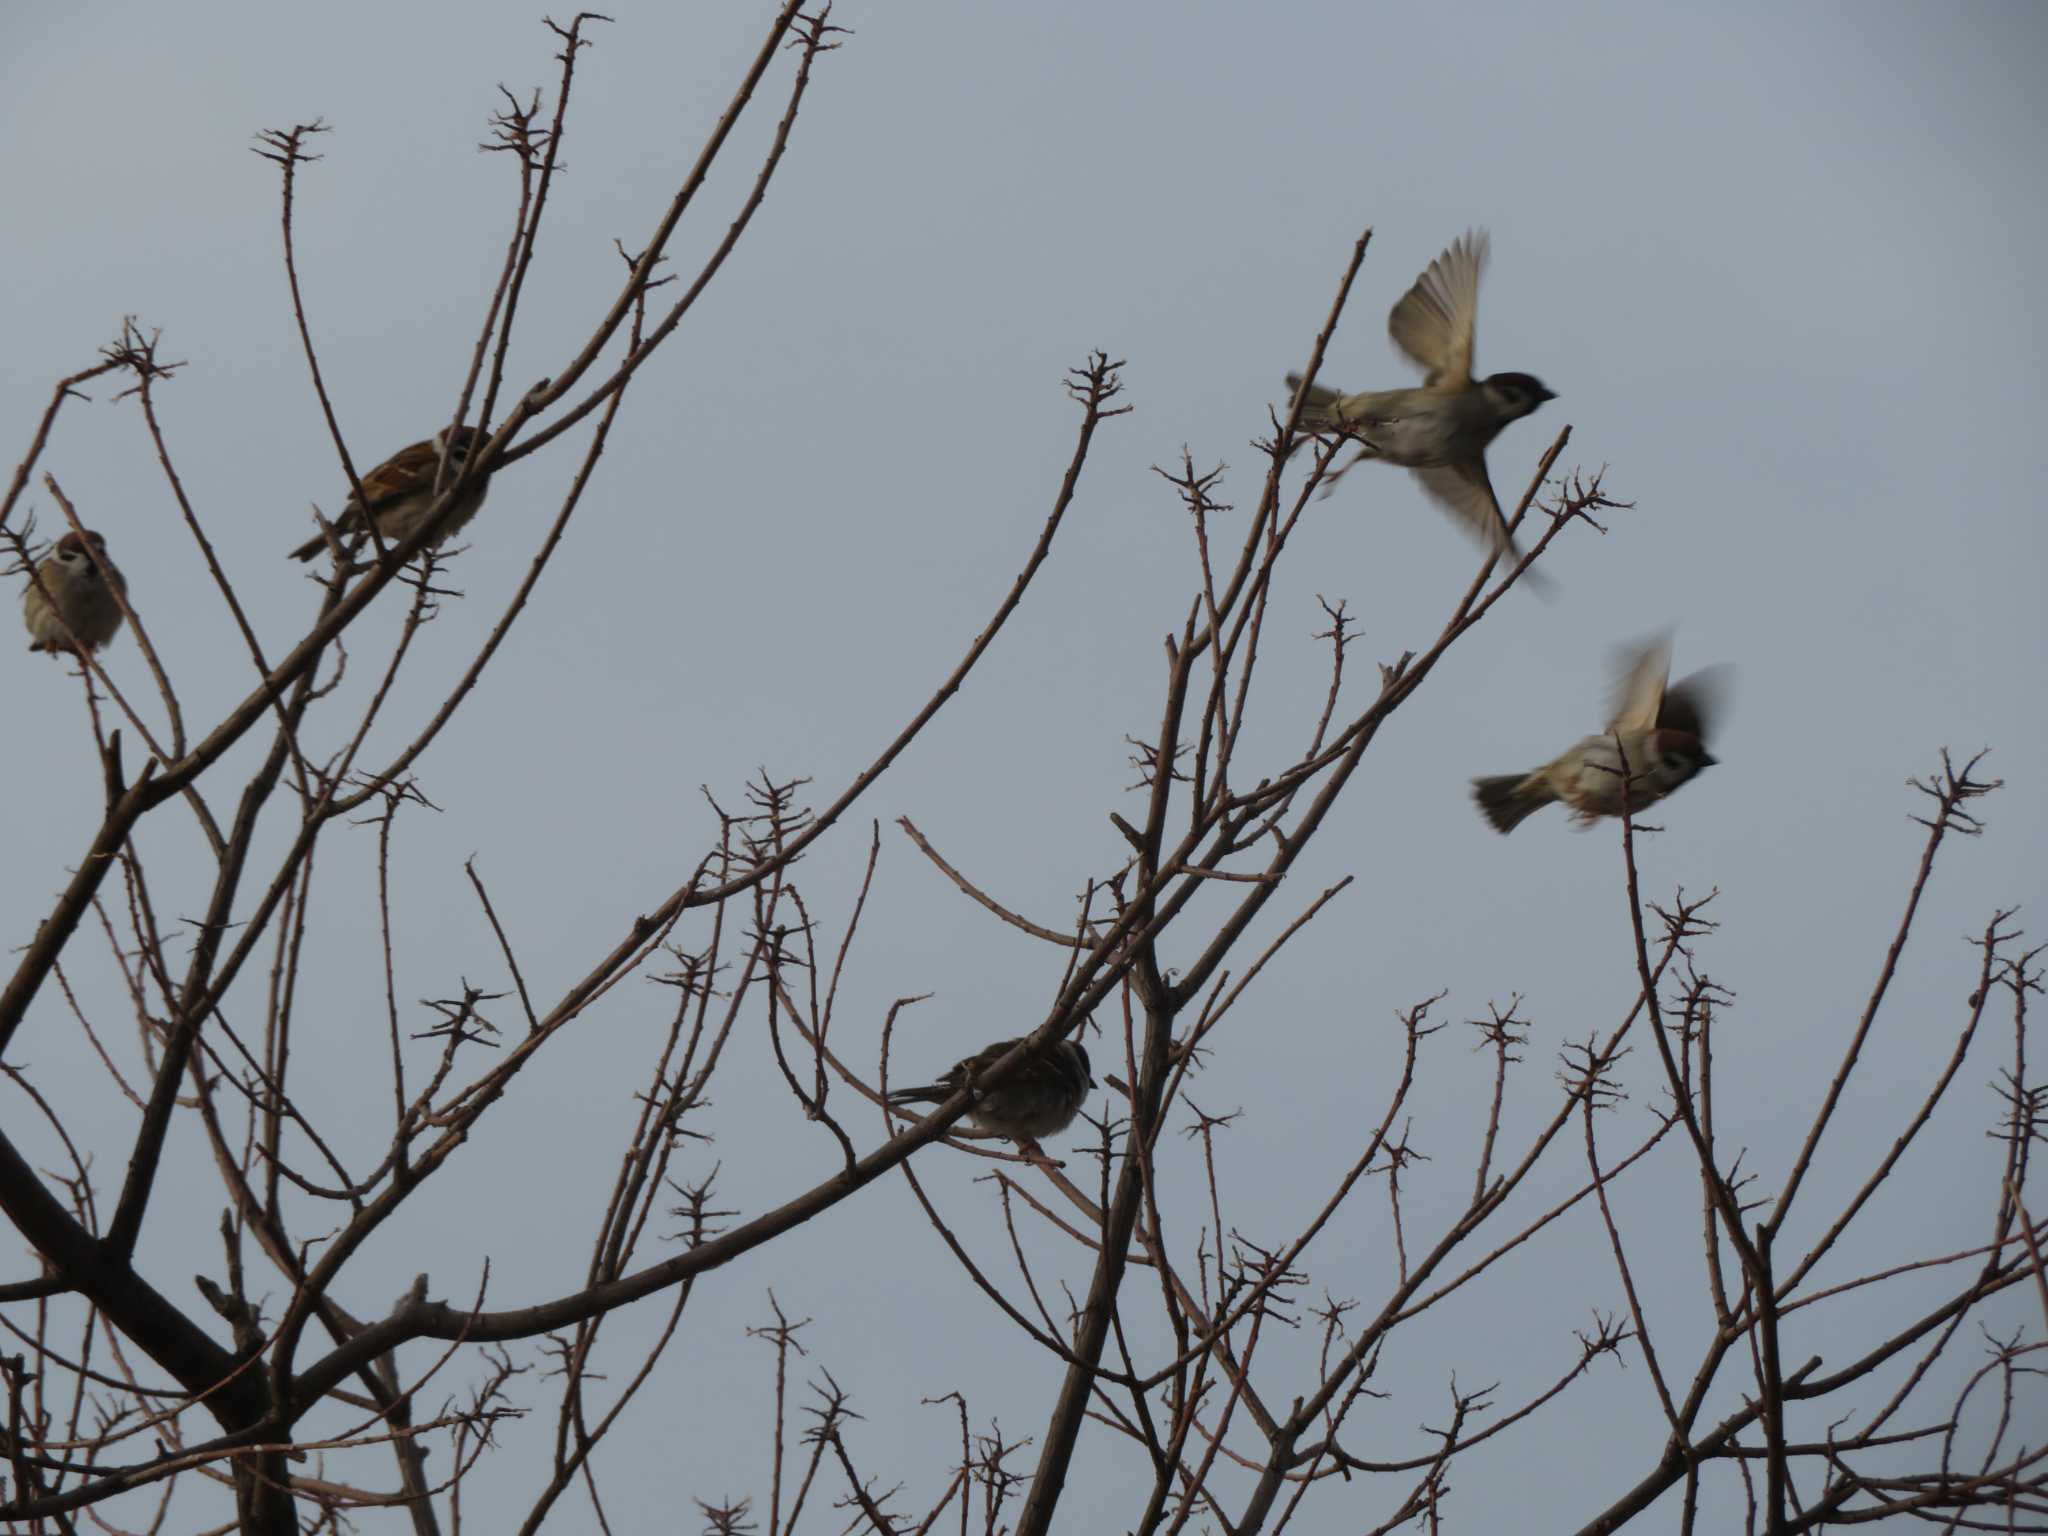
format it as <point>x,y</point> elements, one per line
<point>401,492</point>
<point>1441,430</point>
<point>1656,739</point>
<point>1039,1098</point>
<point>74,589</point>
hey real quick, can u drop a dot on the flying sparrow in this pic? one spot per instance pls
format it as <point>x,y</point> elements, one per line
<point>1657,737</point>
<point>1439,431</point>
<point>1040,1098</point>
<point>401,490</point>
<point>82,592</point>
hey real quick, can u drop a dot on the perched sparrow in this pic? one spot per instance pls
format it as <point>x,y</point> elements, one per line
<point>1662,734</point>
<point>78,592</point>
<point>1040,1098</point>
<point>1440,431</point>
<point>401,490</point>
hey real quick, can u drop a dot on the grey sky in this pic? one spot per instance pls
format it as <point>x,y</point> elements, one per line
<point>1780,266</point>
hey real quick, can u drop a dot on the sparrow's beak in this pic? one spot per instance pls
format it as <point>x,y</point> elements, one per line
<point>1549,394</point>
<point>1708,760</point>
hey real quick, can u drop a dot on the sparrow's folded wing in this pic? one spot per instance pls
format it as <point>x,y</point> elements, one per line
<point>1435,320</point>
<point>1694,703</point>
<point>1639,692</point>
<point>981,1061</point>
<point>407,471</point>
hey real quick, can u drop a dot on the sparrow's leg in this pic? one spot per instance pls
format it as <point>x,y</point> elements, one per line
<point>1365,451</point>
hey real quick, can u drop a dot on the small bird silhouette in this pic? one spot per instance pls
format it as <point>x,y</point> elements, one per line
<point>81,591</point>
<point>1441,429</point>
<point>401,492</point>
<point>1656,740</point>
<point>1040,1098</point>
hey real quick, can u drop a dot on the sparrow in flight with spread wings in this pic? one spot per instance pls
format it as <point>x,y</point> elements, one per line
<point>1440,430</point>
<point>1655,741</point>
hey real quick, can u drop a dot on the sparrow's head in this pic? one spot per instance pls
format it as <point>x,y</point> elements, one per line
<point>1517,394</point>
<point>464,441</point>
<point>1081,1052</point>
<point>71,554</point>
<point>1684,751</point>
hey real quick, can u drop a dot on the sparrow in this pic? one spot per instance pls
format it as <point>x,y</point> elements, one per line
<point>401,490</point>
<point>1040,1098</point>
<point>1661,733</point>
<point>1439,431</point>
<point>82,592</point>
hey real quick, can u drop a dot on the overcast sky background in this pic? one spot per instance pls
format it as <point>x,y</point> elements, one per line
<point>1781,267</point>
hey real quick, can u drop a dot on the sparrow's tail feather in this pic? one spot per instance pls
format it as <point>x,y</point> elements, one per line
<point>930,1093</point>
<point>1508,799</point>
<point>347,527</point>
<point>1318,413</point>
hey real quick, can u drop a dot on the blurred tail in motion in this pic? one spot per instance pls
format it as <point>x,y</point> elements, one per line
<point>1318,410</point>
<point>1509,798</point>
<point>1319,414</point>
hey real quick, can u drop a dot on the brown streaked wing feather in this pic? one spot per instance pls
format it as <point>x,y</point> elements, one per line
<point>1639,691</point>
<point>1436,320</point>
<point>408,470</point>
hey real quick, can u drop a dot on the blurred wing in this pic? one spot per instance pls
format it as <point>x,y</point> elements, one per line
<point>1639,694</point>
<point>1695,703</point>
<point>1435,320</point>
<point>1464,491</point>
